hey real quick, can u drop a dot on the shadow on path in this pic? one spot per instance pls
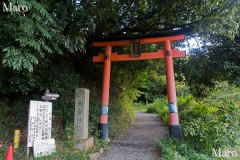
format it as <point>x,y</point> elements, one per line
<point>138,143</point>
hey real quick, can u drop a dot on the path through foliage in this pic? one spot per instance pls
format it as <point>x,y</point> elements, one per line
<point>139,141</point>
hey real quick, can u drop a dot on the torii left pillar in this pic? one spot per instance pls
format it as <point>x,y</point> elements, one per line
<point>103,123</point>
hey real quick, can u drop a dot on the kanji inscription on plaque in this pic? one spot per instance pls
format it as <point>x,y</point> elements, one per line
<point>39,121</point>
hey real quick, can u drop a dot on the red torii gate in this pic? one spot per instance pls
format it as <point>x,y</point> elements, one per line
<point>168,54</point>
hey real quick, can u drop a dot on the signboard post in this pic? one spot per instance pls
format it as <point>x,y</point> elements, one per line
<point>50,96</point>
<point>40,122</point>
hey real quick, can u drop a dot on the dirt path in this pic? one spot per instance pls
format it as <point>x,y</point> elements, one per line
<point>138,143</point>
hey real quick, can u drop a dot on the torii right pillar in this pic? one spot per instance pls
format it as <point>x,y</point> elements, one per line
<point>174,126</point>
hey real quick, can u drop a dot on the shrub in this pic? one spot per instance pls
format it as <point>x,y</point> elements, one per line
<point>121,115</point>
<point>175,149</point>
<point>213,122</point>
<point>159,106</point>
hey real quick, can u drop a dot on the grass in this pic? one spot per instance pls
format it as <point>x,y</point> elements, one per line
<point>180,150</point>
<point>140,107</point>
<point>63,151</point>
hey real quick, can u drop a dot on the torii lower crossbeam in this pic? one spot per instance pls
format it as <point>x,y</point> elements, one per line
<point>144,56</point>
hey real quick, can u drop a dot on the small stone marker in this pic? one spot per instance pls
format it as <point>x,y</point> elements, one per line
<point>81,139</point>
<point>44,147</point>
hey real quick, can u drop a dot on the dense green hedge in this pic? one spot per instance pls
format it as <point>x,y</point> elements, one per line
<point>210,123</point>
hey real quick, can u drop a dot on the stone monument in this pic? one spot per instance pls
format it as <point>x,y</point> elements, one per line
<point>81,139</point>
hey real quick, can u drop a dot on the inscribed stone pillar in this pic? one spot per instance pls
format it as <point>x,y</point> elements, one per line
<point>81,139</point>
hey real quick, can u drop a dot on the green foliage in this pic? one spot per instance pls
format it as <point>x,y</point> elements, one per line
<point>121,115</point>
<point>61,153</point>
<point>139,107</point>
<point>27,38</point>
<point>11,118</point>
<point>62,79</point>
<point>127,78</point>
<point>160,107</point>
<point>206,16</point>
<point>211,123</point>
<point>56,77</point>
<point>61,28</point>
<point>154,84</point>
<point>175,149</point>
<point>20,154</point>
<point>94,110</point>
<point>182,89</point>
<point>216,60</point>
<point>56,34</point>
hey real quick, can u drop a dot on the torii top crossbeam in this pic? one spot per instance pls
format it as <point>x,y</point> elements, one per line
<point>142,40</point>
